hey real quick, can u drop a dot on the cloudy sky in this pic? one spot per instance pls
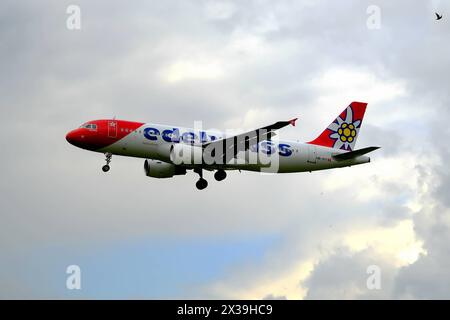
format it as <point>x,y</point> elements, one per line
<point>230,64</point>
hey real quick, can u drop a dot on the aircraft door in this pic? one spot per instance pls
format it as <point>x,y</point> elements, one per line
<point>112,129</point>
<point>312,154</point>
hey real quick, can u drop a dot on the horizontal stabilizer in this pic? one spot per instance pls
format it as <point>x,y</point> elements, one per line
<point>354,154</point>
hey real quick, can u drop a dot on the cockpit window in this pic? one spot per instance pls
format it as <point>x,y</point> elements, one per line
<point>90,126</point>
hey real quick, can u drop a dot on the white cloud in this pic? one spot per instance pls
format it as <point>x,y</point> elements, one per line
<point>361,85</point>
<point>219,10</point>
<point>192,70</point>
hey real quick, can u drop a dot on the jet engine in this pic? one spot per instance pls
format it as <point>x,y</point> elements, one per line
<point>161,169</point>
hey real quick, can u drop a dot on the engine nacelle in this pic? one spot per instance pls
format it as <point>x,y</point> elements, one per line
<point>186,154</point>
<point>161,169</point>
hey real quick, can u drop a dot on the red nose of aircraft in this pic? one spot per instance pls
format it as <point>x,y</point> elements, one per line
<point>74,137</point>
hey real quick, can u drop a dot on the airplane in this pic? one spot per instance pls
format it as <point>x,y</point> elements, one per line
<point>172,150</point>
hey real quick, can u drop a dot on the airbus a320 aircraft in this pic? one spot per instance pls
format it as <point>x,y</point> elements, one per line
<point>172,150</point>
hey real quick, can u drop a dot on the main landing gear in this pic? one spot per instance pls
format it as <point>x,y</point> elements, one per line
<point>202,183</point>
<point>106,167</point>
<point>220,175</point>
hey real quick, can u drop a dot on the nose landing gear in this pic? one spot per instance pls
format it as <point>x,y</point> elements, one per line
<point>106,167</point>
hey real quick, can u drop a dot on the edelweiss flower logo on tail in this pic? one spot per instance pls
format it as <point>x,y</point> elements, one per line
<point>344,132</point>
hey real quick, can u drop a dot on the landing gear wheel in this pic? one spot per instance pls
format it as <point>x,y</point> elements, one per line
<point>106,167</point>
<point>201,184</point>
<point>220,175</point>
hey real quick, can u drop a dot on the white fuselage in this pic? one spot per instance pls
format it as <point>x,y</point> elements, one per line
<point>154,141</point>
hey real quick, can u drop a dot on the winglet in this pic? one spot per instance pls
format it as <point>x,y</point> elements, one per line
<point>292,122</point>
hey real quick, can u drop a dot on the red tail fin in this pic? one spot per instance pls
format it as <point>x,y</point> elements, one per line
<point>343,131</point>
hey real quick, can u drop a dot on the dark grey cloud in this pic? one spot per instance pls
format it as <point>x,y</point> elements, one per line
<point>344,276</point>
<point>428,277</point>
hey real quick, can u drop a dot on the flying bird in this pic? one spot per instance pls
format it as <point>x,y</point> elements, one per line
<point>438,17</point>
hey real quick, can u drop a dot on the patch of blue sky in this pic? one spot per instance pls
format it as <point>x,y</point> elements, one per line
<point>147,268</point>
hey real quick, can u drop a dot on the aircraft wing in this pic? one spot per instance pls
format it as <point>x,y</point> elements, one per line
<point>229,147</point>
